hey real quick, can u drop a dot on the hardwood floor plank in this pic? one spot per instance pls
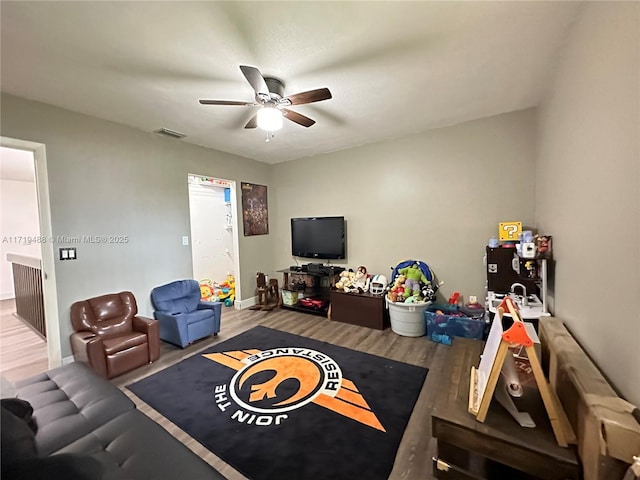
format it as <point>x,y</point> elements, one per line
<point>18,359</point>
<point>23,352</point>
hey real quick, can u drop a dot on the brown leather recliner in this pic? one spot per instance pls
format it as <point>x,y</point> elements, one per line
<point>109,335</point>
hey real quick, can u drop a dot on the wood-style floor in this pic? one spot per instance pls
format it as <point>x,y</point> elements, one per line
<point>23,352</point>
<point>413,460</point>
<point>20,359</point>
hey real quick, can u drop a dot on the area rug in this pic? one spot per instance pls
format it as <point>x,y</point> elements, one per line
<point>280,406</point>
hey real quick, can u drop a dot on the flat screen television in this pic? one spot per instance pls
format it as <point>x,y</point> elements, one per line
<point>318,237</point>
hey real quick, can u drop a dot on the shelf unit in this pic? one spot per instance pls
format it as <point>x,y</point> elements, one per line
<point>317,285</point>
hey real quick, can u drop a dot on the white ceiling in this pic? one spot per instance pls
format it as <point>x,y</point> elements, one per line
<point>394,68</point>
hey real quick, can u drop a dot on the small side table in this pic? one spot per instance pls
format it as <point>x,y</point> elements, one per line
<point>362,309</point>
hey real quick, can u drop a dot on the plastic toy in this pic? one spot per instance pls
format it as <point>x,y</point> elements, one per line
<point>543,243</point>
<point>531,267</point>
<point>207,292</point>
<point>316,303</point>
<point>378,285</point>
<point>228,291</point>
<point>453,299</point>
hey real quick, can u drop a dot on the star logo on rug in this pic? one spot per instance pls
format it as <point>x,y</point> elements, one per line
<point>270,383</point>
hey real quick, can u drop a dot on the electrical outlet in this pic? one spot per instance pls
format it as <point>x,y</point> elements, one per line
<point>185,240</point>
<point>473,299</point>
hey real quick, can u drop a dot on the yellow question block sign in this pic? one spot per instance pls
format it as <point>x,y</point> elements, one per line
<point>509,231</point>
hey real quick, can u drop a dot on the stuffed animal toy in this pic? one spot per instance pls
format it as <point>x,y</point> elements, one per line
<point>346,280</point>
<point>341,281</point>
<point>414,277</point>
<point>396,291</point>
<point>398,283</point>
<point>429,291</point>
<point>360,281</point>
<point>414,299</point>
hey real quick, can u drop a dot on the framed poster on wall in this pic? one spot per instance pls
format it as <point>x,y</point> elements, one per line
<point>255,213</point>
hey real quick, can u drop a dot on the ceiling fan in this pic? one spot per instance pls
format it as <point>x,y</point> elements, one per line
<point>272,102</point>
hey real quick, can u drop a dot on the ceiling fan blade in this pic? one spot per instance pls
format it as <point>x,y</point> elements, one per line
<point>309,97</point>
<point>298,118</point>
<point>255,78</point>
<point>253,123</point>
<point>226,102</point>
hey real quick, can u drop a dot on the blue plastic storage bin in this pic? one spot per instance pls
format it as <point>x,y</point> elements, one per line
<point>442,327</point>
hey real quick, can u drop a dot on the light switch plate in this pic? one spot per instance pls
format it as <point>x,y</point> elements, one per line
<point>68,253</point>
<point>185,240</point>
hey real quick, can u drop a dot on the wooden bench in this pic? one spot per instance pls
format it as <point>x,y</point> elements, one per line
<point>608,435</point>
<point>499,448</point>
<point>607,432</point>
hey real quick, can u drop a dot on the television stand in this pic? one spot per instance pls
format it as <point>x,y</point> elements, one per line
<point>317,286</point>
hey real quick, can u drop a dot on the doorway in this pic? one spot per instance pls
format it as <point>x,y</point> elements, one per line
<point>43,250</point>
<point>214,236</point>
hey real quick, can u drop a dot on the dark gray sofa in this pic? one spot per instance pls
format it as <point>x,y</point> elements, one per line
<point>78,412</point>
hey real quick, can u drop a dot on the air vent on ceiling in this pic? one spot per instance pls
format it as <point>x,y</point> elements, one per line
<point>170,133</point>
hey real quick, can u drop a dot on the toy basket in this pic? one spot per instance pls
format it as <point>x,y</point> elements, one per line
<point>407,319</point>
<point>289,297</point>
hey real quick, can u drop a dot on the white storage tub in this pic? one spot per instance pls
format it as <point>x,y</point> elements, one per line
<point>407,319</point>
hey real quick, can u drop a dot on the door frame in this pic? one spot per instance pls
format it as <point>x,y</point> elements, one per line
<point>49,288</point>
<point>235,225</point>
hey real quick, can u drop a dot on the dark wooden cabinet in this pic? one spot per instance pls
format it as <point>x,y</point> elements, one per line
<point>364,309</point>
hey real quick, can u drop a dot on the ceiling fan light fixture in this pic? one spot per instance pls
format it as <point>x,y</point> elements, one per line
<point>269,95</point>
<point>269,119</point>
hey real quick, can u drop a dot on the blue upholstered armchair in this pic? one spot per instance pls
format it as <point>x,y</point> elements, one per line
<point>182,316</point>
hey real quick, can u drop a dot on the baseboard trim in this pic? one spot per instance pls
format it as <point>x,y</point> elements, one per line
<point>242,304</point>
<point>7,296</point>
<point>68,360</point>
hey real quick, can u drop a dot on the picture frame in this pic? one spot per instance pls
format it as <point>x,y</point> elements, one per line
<point>255,210</point>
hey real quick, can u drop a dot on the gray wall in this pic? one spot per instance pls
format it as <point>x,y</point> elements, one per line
<point>107,179</point>
<point>587,181</point>
<point>436,197</point>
